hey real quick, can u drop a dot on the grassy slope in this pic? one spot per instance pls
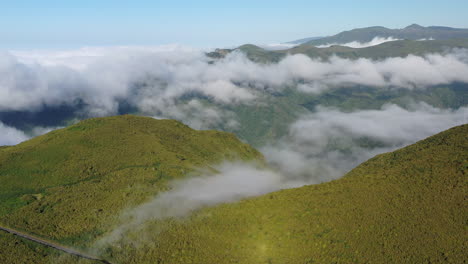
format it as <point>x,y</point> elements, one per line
<point>408,206</point>
<point>70,184</point>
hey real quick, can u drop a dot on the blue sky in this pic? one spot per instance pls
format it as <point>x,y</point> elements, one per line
<point>206,23</point>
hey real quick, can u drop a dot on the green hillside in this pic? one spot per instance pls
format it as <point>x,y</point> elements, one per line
<point>71,184</point>
<point>407,206</point>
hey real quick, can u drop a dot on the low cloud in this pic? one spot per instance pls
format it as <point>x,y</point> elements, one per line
<point>325,145</point>
<point>194,113</point>
<point>10,135</point>
<point>410,72</point>
<point>232,182</point>
<point>359,45</point>
<point>153,80</point>
<point>278,46</point>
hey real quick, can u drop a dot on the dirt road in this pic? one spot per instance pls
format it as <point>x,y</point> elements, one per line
<point>53,245</point>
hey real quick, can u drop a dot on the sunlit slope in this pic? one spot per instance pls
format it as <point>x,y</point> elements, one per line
<point>70,185</point>
<point>408,206</point>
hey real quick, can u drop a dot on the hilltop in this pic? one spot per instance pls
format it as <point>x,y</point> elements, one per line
<point>406,206</point>
<point>70,185</point>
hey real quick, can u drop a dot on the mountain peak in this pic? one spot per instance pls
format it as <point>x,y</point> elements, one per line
<point>414,26</point>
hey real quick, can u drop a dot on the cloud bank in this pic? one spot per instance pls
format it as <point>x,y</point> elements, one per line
<point>325,145</point>
<point>10,135</point>
<point>154,80</point>
<point>278,46</point>
<point>359,45</point>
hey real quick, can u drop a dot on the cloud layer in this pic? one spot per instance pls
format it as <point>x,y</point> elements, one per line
<point>10,135</point>
<point>278,46</point>
<point>325,145</point>
<point>152,80</point>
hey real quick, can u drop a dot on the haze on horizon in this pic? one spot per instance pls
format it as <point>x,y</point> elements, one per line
<point>51,24</point>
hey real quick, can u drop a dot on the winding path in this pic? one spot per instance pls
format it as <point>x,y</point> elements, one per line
<point>53,245</point>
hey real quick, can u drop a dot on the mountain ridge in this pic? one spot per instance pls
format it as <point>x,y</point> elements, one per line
<point>411,32</point>
<point>391,49</point>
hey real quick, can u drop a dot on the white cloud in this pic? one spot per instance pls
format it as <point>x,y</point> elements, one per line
<point>152,78</point>
<point>359,45</point>
<point>312,150</point>
<point>278,46</point>
<point>80,59</point>
<point>10,135</point>
<point>231,183</point>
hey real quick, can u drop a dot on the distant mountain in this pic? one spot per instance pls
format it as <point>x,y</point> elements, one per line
<point>399,48</point>
<point>412,32</point>
<point>407,206</point>
<point>304,40</point>
<point>413,39</point>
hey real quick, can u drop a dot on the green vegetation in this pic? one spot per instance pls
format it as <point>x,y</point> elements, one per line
<point>11,247</point>
<point>273,115</point>
<point>407,206</point>
<point>71,184</point>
